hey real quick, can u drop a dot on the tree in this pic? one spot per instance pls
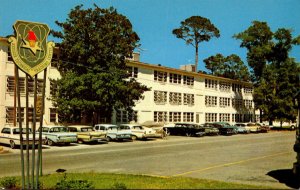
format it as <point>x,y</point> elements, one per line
<point>275,74</point>
<point>93,51</point>
<point>194,30</point>
<point>230,67</point>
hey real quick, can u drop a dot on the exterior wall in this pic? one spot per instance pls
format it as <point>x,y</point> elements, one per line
<point>147,107</point>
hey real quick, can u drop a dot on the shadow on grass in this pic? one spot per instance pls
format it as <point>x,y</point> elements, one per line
<point>287,177</point>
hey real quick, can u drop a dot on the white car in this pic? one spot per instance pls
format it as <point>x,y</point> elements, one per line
<point>113,132</point>
<point>140,132</point>
<point>58,135</point>
<point>11,136</point>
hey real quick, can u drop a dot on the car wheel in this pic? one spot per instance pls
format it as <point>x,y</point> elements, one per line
<point>292,127</point>
<point>67,143</point>
<point>50,142</point>
<point>80,141</point>
<point>109,139</point>
<point>133,137</point>
<point>12,144</point>
<point>188,134</point>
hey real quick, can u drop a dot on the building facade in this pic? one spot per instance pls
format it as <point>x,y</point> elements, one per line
<point>176,95</point>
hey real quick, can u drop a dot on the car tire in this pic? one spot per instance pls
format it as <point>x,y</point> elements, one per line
<point>109,139</point>
<point>292,127</point>
<point>12,144</point>
<point>50,142</point>
<point>133,137</point>
<point>188,134</point>
<point>80,142</point>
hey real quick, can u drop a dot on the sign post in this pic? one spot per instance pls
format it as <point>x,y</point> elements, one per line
<point>32,54</point>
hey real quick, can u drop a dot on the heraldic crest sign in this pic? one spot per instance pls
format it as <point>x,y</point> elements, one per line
<point>29,47</point>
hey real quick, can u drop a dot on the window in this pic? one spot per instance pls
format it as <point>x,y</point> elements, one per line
<point>224,117</point>
<point>53,87</point>
<point>211,101</point>
<point>160,116</point>
<point>9,57</point>
<point>225,86</point>
<point>30,116</point>
<point>175,98</point>
<point>124,116</point>
<point>132,71</point>
<point>248,104</point>
<point>237,118</point>
<point>53,113</point>
<point>10,84</point>
<point>187,80</point>
<point>175,78</point>
<point>6,130</point>
<point>160,97</point>
<point>210,117</point>
<point>248,90</point>
<point>39,87</point>
<point>174,116</point>
<point>211,84</point>
<point>188,117</point>
<point>236,88</point>
<point>237,103</point>
<point>160,76</point>
<point>188,99</point>
<point>10,114</point>
<point>224,102</point>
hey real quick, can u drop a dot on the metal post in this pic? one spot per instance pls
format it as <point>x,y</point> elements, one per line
<point>20,128</point>
<point>33,134</point>
<point>27,135</point>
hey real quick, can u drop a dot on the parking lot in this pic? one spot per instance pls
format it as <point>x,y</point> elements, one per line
<point>249,158</point>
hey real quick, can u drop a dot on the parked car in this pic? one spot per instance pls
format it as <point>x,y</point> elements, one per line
<point>113,132</point>
<point>140,132</point>
<point>210,129</point>
<point>58,135</point>
<point>187,129</point>
<point>86,134</point>
<point>225,128</point>
<point>242,128</point>
<point>11,137</point>
<point>254,128</point>
<point>263,127</point>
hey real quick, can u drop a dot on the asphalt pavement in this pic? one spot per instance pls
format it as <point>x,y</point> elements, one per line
<point>250,158</point>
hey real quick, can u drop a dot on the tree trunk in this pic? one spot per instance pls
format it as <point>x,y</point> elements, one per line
<point>196,58</point>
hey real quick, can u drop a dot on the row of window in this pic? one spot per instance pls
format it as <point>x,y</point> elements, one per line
<point>175,98</point>
<point>227,86</point>
<point>10,85</point>
<point>160,76</point>
<point>10,115</point>
<point>212,101</point>
<point>225,117</point>
<point>163,116</point>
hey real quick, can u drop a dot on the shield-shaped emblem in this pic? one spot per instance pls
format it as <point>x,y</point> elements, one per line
<point>29,48</point>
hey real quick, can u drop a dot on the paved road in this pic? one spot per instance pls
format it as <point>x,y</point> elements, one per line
<point>239,158</point>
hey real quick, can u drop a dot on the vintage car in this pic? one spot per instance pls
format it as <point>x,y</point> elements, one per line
<point>254,128</point>
<point>187,129</point>
<point>113,132</point>
<point>225,128</point>
<point>210,129</point>
<point>86,134</point>
<point>58,135</point>
<point>140,132</point>
<point>242,128</point>
<point>11,136</point>
<point>263,127</point>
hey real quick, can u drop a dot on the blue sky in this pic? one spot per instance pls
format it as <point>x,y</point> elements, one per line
<point>154,20</point>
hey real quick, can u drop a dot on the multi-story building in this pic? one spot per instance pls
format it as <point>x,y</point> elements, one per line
<point>176,95</point>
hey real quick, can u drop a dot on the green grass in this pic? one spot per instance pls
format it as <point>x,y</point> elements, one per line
<point>126,181</point>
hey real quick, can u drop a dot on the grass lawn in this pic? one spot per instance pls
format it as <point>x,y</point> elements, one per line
<point>126,181</point>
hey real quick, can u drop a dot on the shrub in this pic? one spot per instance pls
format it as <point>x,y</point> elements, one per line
<point>9,182</point>
<point>73,184</point>
<point>119,186</point>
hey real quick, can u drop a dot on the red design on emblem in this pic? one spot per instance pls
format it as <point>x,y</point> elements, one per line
<point>31,38</point>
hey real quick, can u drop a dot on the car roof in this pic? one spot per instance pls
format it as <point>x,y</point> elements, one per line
<point>80,126</point>
<point>107,125</point>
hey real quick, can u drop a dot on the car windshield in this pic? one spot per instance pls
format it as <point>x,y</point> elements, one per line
<point>251,124</point>
<point>17,131</point>
<point>86,129</point>
<point>59,129</point>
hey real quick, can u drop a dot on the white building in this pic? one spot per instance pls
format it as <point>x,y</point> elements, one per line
<point>176,95</point>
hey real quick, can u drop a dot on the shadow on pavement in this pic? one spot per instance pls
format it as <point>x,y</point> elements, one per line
<point>286,177</point>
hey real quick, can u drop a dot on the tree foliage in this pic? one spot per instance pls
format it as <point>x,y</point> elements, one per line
<point>95,45</point>
<point>275,74</point>
<point>195,30</point>
<point>230,67</point>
